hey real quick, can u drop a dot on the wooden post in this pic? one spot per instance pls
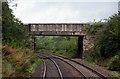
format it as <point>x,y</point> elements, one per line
<point>80,47</point>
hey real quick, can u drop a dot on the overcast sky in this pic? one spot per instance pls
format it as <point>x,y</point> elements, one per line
<point>64,11</point>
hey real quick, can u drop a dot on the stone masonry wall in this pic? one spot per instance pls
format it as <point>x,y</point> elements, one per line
<point>88,42</point>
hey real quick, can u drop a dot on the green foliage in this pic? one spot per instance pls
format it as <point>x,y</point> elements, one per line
<point>115,74</point>
<point>107,38</point>
<point>57,44</point>
<point>107,43</point>
<point>15,43</point>
<point>92,29</point>
<point>31,68</point>
<point>89,56</point>
<point>16,61</point>
<point>13,31</point>
<point>114,63</point>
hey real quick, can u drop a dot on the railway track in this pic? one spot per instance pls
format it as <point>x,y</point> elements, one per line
<point>44,76</point>
<point>84,71</point>
<point>67,60</point>
<point>44,70</point>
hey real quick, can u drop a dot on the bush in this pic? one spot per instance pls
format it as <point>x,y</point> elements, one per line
<point>16,61</point>
<point>107,43</point>
<point>13,31</point>
<point>115,74</point>
<point>90,55</point>
<point>114,63</point>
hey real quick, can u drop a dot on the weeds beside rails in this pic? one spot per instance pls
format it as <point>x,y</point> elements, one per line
<point>20,61</point>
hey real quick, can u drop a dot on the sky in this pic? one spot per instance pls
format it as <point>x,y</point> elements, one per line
<point>64,11</point>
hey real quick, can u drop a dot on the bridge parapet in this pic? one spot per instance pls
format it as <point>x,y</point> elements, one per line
<point>57,29</point>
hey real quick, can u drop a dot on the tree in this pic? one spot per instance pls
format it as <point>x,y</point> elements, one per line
<point>108,37</point>
<point>13,30</point>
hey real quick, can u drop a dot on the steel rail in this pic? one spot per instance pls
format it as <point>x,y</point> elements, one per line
<point>44,70</point>
<point>59,71</point>
<point>95,72</point>
<point>68,64</point>
<point>74,68</point>
<point>56,65</point>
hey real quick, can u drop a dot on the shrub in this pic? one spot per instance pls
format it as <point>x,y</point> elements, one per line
<point>114,63</point>
<point>16,60</point>
<point>107,43</point>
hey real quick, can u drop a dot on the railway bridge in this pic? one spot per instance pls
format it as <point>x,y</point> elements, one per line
<point>57,29</point>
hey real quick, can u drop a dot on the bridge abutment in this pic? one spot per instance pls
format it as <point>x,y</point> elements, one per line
<point>32,42</point>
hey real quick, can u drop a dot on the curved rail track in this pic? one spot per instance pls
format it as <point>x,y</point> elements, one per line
<point>95,72</point>
<point>45,68</point>
<point>68,60</point>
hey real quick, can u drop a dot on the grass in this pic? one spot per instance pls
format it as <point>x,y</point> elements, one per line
<point>16,61</point>
<point>35,62</point>
<point>115,74</point>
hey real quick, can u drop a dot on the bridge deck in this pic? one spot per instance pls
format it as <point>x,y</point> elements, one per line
<point>57,29</point>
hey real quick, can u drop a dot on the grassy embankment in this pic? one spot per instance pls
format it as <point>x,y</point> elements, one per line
<point>18,62</point>
<point>17,59</point>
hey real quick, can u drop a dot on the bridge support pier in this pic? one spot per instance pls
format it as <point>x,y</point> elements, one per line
<point>32,42</point>
<point>80,47</point>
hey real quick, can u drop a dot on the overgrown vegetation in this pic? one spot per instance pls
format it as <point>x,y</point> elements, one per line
<point>16,61</point>
<point>106,51</point>
<point>14,32</point>
<point>17,58</point>
<point>64,45</point>
<point>115,74</point>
